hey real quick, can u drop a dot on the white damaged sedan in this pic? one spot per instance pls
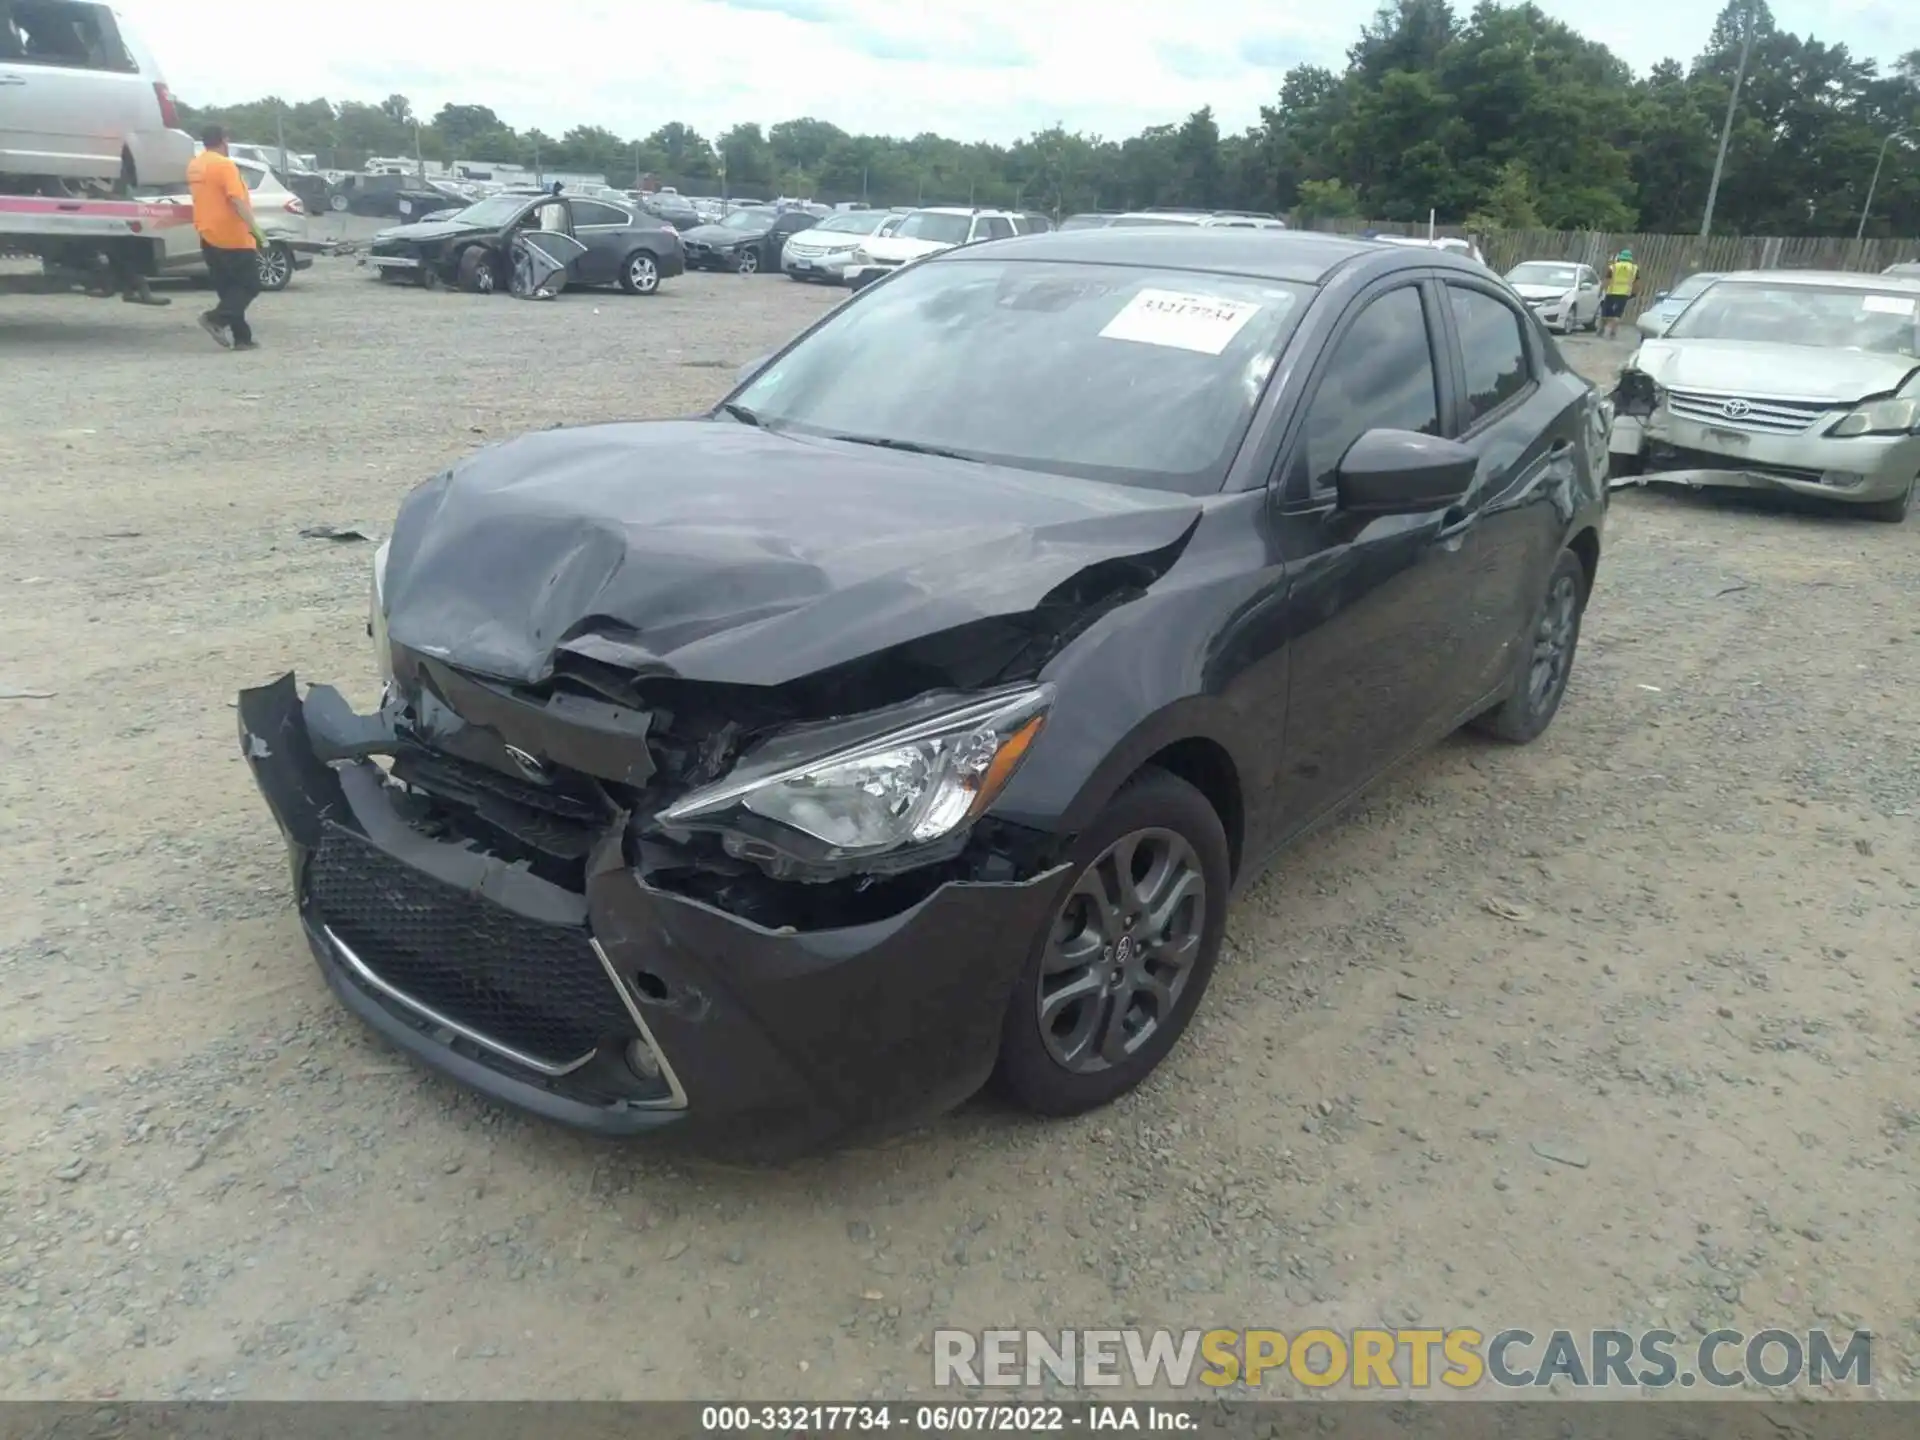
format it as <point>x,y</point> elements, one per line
<point>1802,381</point>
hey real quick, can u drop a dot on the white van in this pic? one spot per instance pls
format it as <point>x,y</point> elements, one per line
<point>81,98</point>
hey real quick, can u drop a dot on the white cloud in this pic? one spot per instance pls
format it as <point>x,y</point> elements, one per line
<point>972,69</point>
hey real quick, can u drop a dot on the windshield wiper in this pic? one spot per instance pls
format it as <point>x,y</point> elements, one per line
<point>744,415</point>
<point>912,447</point>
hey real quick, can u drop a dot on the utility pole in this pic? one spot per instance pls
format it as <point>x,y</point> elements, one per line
<point>1726,128</point>
<point>1874,184</point>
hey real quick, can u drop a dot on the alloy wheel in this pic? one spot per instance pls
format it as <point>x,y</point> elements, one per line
<point>750,263</point>
<point>1553,644</point>
<point>276,268</point>
<point>643,274</point>
<point>1121,950</point>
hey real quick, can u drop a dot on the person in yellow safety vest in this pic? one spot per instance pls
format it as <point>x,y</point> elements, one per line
<point>1623,278</point>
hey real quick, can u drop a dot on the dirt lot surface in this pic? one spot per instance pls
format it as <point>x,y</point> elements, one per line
<point>1619,1029</point>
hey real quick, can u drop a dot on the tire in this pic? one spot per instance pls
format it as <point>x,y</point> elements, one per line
<point>1535,697</point>
<point>1890,512</point>
<point>478,275</point>
<point>749,263</point>
<point>1156,819</point>
<point>640,274</point>
<point>338,204</point>
<point>276,267</point>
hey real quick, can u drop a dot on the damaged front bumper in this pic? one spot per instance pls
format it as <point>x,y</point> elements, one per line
<point>627,1009</point>
<point>1657,446</point>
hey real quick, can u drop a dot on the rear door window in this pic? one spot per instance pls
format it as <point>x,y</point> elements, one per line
<point>64,33</point>
<point>592,212</point>
<point>992,227</point>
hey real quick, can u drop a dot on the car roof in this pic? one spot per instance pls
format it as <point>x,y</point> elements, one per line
<point>1829,279</point>
<point>1302,256</point>
<point>960,210</point>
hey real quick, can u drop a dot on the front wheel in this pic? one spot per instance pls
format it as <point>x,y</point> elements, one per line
<point>749,262</point>
<point>1114,979</point>
<point>1545,661</point>
<point>337,204</point>
<point>276,267</point>
<point>640,275</point>
<point>1890,512</point>
<point>477,271</point>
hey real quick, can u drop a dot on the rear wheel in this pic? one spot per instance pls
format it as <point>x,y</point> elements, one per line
<point>1116,976</point>
<point>1890,512</point>
<point>640,275</point>
<point>276,267</point>
<point>1545,661</point>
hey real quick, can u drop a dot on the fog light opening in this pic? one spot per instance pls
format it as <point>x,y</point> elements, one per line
<point>642,1061</point>
<point>650,986</point>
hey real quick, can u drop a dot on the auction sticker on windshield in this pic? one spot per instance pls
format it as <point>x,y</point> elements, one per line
<point>1887,304</point>
<point>1182,322</point>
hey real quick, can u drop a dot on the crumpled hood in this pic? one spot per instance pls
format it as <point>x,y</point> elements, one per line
<point>1775,372</point>
<point>719,552</point>
<point>1542,292</point>
<point>426,231</point>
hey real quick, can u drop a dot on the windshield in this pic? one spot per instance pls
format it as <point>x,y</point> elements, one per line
<point>497,210</point>
<point>1691,286</point>
<point>1538,272</point>
<point>1139,376</point>
<point>1829,317</point>
<point>861,222</point>
<point>933,226</point>
<point>748,220</point>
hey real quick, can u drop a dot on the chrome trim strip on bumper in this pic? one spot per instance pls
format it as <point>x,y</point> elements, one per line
<point>677,1095</point>
<point>426,1012</point>
<point>393,262</point>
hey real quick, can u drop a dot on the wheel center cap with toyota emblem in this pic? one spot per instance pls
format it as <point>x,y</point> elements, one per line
<point>1736,409</point>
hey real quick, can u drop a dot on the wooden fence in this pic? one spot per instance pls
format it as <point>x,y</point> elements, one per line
<point>1664,260</point>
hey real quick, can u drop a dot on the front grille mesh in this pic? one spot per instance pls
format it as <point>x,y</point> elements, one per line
<point>1759,417</point>
<point>537,988</point>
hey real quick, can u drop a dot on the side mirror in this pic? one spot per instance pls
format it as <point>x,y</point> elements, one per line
<point>1402,472</point>
<point>752,368</point>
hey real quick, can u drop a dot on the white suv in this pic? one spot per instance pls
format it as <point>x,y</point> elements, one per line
<point>923,233</point>
<point>82,100</point>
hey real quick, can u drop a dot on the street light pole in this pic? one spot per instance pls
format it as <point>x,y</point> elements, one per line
<point>1726,128</point>
<point>1874,184</point>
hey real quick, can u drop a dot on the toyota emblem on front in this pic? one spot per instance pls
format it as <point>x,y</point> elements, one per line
<point>530,766</point>
<point>1735,409</point>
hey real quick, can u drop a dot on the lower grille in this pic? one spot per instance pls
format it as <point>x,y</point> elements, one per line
<point>1678,457</point>
<point>537,989</point>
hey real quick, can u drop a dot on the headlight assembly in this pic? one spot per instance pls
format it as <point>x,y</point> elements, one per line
<point>805,807</point>
<point>1881,417</point>
<point>861,256</point>
<point>377,612</point>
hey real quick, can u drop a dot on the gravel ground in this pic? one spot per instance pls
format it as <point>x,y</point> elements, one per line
<point>1671,944</point>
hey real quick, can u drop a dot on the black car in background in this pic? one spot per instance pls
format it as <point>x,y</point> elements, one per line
<point>399,197</point>
<point>911,718</point>
<point>747,240</point>
<point>600,242</point>
<point>674,209</point>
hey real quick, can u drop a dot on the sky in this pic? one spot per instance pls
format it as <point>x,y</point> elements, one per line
<point>971,69</point>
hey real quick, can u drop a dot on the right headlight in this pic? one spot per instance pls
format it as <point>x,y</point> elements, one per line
<point>1881,417</point>
<point>377,612</point>
<point>913,789</point>
<point>861,256</point>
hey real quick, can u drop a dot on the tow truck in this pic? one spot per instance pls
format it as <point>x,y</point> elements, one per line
<point>70,233</point>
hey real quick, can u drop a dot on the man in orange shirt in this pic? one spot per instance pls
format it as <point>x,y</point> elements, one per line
<point>230,239</point>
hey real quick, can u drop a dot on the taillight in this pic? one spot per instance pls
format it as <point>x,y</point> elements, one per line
<point>169,112</point>
<point>294,207</point>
